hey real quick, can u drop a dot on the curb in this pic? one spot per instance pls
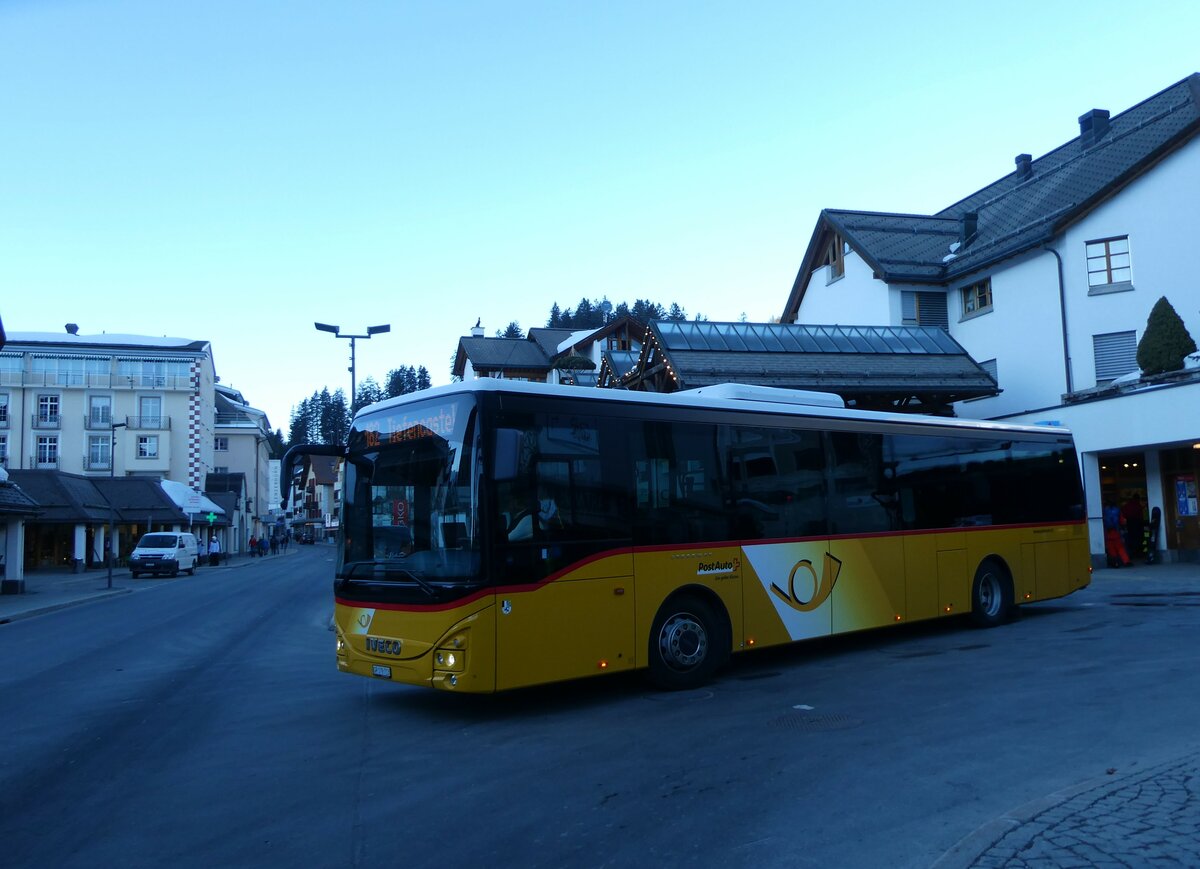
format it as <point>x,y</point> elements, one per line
<point>968,850</point>
<point>62,605</point>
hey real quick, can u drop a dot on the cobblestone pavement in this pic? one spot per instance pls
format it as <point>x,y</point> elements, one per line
<point>1148,818</point>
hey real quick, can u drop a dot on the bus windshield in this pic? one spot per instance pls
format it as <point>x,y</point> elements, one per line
<point>411,496</point>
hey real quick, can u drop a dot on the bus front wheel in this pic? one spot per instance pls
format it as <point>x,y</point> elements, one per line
<point>686,643</point>
<point>991,594</point>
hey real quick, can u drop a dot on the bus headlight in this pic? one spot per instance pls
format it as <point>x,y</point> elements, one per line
<point>449,659</point>
<point>341,645</point>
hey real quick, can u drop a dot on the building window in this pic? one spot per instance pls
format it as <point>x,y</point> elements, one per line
<point>99,451</point>
<point>221,444</point>
<point>149,411</point>
<point>48,409</point>
<point>220,469</point>
<point>1108,263</point>
<point>147,446</point>
<point>3,450</point>
<point>835,257</point>
<point>99,410</point>
<point>924,309</point>
<point>977,298</point>
<point>3,409</point>
<point>47,450</point>
<point>72,370</point>
<point>1116,354</point>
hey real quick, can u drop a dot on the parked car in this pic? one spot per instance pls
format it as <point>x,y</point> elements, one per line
<point>306,537</point>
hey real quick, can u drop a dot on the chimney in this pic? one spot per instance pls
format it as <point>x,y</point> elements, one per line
<point>477,330</point>
<point>1093,126</point>
<point>970,224</point>
<point>72,329</point>
<point>1024,166</point>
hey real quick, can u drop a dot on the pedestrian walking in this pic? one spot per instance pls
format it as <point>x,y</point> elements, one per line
<point>262,547</point>
<point>253,546</point>
<point>214,552</point>
<point>274,544</point>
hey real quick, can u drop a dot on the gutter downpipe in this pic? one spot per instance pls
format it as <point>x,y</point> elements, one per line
<point>1062,306</point>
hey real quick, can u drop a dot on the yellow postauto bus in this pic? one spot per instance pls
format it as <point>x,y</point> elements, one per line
<point>498,534</point>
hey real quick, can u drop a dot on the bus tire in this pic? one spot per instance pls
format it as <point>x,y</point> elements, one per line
<point>991,594</point>
<point>687,643</point>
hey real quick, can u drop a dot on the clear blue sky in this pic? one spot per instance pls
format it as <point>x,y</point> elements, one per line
<point>234,171</point>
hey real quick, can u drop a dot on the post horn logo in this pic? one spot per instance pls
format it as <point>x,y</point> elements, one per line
<point>822,587</point>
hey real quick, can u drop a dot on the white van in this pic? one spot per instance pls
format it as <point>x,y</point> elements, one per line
<point>164,552</point>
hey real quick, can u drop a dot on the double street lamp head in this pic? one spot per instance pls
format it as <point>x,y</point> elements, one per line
<point>336,331</point>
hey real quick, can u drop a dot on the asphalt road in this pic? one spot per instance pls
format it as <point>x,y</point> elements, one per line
<point>202,722</point>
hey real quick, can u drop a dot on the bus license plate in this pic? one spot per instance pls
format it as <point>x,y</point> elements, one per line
<point>380,670</point>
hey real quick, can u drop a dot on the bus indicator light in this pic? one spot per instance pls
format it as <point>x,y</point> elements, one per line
<point>898,617</point>
<point>948,607</point>
<point>1028,596</point>
<point>603,665</point>
<point>749,641</point>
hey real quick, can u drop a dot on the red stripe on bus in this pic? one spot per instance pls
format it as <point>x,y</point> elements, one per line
<point>522,588</point>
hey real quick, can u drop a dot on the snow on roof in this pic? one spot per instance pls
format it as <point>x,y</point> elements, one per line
<point>180,493</point>
<point>107,338</point>
<point>577,337</point>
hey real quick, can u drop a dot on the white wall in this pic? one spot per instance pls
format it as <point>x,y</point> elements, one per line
<point>1022,332</point>
<point>855,299</point>
<point>1160,213</point>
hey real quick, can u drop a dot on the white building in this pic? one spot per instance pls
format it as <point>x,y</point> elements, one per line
<point>1047,277</point>
<point>125,405</point>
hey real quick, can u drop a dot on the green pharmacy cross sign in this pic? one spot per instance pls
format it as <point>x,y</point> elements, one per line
<point>211,517</point>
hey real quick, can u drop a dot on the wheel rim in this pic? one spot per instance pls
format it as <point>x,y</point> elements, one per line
<point>683,641</point>
<point>990,594</point>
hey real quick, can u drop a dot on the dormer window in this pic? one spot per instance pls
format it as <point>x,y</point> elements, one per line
<point>835,257</point>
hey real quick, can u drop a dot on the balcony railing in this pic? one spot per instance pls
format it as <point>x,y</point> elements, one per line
<point>98,381</point>
<point>97,423</point>
<point>90,464</point>
<point>46,420</point>
<point>43,462</point>
<point>148,423</point>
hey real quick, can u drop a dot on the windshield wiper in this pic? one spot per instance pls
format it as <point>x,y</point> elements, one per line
<point>425,585</point>
<point>392,566</point>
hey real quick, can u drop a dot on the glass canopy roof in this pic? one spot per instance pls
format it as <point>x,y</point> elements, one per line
<point>796,338</point>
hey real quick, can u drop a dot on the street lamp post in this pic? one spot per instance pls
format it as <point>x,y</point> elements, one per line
<point>112,510</point>
<point>337,333</point>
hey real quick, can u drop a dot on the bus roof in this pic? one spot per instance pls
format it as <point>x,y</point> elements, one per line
<point>725,396</point>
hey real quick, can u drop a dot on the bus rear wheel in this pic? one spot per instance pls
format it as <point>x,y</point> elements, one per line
<point>991,594</point>
<point>687,643</point>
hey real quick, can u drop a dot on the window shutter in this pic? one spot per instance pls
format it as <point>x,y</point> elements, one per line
<point>1116,354</point>
<point>924,309</point>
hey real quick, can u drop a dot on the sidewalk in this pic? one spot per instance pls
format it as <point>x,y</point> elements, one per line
<point>46,591</point>
<point>1147,817</point>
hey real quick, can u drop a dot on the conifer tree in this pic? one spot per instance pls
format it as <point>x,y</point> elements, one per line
<point>1166,341</point>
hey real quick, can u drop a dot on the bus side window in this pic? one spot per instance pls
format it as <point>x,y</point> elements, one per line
<point>862,498</point>
<point>680,490</point>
